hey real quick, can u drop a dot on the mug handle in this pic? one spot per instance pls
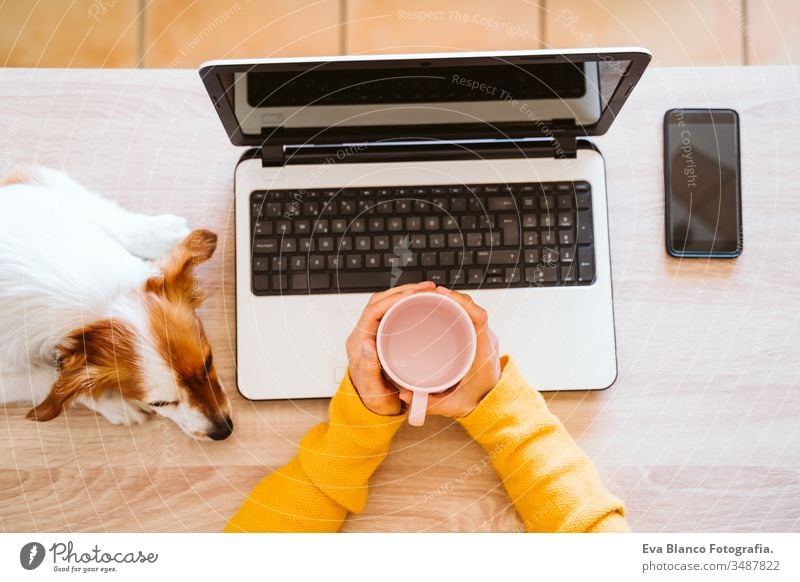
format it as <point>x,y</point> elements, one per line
<point>419,404</point>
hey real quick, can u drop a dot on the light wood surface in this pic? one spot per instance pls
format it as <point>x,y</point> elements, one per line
<point>699,433</point>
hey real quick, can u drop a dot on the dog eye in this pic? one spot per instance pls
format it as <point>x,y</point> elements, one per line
<point>160,403</point>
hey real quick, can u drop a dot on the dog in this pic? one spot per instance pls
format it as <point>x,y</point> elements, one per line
<point>98,308</point>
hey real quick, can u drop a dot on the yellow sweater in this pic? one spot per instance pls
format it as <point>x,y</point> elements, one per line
<point>551,481</point>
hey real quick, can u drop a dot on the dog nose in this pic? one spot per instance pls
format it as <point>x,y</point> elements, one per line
<point>221,430</point>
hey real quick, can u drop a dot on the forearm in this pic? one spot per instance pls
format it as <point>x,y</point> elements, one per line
<point>551,481</point>
<point>328,478</point>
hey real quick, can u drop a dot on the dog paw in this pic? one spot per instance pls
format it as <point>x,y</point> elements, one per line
<point>160,235</point>
<point>117,411</point>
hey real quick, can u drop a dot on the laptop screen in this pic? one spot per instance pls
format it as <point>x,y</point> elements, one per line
<point>413,97</point>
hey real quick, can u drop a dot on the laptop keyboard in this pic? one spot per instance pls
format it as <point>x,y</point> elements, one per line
<point>463,236</point>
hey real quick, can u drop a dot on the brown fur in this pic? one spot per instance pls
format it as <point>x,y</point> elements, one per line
<point>100,356</point>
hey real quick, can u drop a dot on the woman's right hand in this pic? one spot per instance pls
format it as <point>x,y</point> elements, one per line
<point>375,391</point>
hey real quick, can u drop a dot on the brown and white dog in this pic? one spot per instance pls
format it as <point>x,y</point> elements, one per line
<point>98,307</point>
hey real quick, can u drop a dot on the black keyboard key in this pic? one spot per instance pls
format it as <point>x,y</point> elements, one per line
<point>548,237</point>
<point>447,259</point>
<point>486,221</point>
<point>511,276</point>
<point>306,245</point>
<point>549,256</point>
<point>531,256</point>
<point>419,241</point>
<point>529,221</point>
<point>325,244</point>
<point>278,263</point>
<point>262,228</point>
<point>449,223</point>
<point>547,221</point>
<point>302,227</point>
<point>428,259</point>
<point>376,279</point>
<point>402,206</point>
<point>547,202</point>
<point>363,243</point>
<point>564,219</point>
<point>565,201</point>
<point>316,262</point>
<point>567,254</point>
<point>457,277</point>
<point>509,224</point>
<point>261,283</point>
<point>347,207</point>
<point>359,225</point>
<point>501,203</point>
<point>353,261</point>
<point>385,207</point>
<point>376,224</point>
<point>311,209</point>
<point>458,205</point>
<point>436,241</point>
<point>272,209</point>
<point>566,237</point>
<point>585,264</point>
<point>280,282</point>
<point>498,257</point>
<point>394,224</point>
<point>372,261</point>
<point>492,239</point>
<point>298,263</point>
<point>346,243</point>
<point>468,222</point>
<point>431,223</point>
<point>582,186</point>
<point>475,276</point>
<point>338,225</point>
<point>568,274</point>
<point>530,238</point>
<point>474,239</point>
<point>305,281</point>
<point>466,258</point>
<point>413,223</point>
<point>584,223</point>
<point>265,246</point>
<point>438,277</point>
<point>583,200</point>
<point>528,203</point>
<point>380,243</point>
<point>455,240</point>
<point>288,245</point>
<point>541,275</point>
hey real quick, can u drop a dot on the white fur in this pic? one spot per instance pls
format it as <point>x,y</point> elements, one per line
<point>69,257</point>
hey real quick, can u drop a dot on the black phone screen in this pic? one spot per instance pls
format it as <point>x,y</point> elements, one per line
<point>703,197</point>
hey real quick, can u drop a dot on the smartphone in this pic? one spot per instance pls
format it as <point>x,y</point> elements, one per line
<point>702,183</point>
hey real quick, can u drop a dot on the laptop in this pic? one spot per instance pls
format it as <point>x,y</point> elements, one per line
<point>473,170</point>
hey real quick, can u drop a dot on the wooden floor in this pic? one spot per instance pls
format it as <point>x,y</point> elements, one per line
<point>184,33</point>
<point>700,432</point>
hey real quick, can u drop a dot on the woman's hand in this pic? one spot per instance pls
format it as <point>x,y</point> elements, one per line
<point>376,392</point>
<point>482,377</point>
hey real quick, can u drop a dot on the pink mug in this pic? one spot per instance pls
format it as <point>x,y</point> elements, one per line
<point>426,343</point>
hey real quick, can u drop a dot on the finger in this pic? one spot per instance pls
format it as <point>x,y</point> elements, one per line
<point>476,313</point>
<point>400,289</point>
<point>406,395</point>
<point>371,317</point>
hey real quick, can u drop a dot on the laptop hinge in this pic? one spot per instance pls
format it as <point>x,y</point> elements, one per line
<point>273,155</point>
<point>565,146</point>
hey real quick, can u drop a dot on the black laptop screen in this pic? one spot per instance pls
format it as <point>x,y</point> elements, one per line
<point>399,97</point>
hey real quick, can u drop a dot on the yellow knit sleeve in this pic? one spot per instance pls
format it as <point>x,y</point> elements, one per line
<point>329,476</point>
<point>550,480</point>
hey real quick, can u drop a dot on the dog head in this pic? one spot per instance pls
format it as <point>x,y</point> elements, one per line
<point>157,357</point>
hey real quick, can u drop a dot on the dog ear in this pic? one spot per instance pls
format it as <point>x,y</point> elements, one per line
<point>177,281</point>
<point>72,380</point>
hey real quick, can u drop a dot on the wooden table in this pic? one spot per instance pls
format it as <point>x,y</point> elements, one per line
<point>699,433</point>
